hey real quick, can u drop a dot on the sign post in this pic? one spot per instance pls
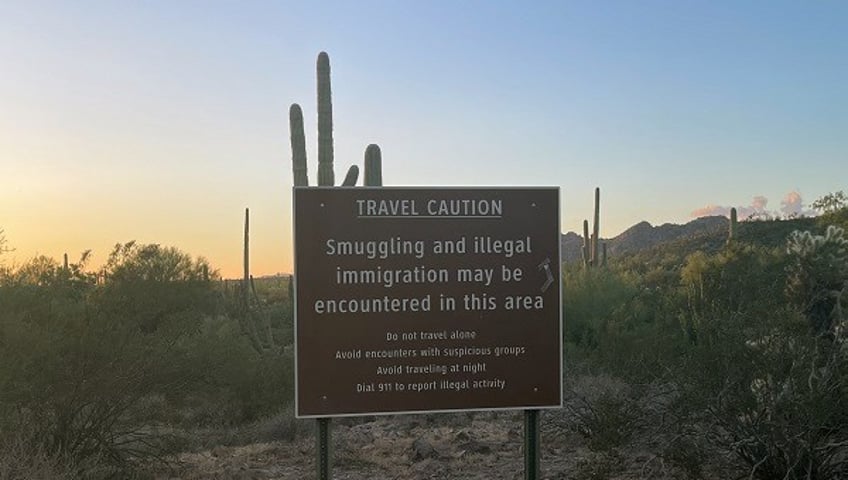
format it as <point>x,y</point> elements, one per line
<point>531,445</point>
<point>322,449</point>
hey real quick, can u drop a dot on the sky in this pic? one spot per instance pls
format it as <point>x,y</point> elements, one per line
<point>161,121</point>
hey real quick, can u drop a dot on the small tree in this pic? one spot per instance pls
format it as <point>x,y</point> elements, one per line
<point>150,287</point>
<point>831,202</point>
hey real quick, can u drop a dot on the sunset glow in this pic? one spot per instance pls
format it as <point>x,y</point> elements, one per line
<point>161,122</point>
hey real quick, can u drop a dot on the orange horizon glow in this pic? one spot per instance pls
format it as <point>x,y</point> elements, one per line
<point>54,233</point>
<point>160,122</point>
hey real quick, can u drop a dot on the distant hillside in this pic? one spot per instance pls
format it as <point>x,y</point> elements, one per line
<point>706,233</point>
<point>644,236</point>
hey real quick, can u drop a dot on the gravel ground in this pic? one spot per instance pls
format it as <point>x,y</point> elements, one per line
<point>465,446</point>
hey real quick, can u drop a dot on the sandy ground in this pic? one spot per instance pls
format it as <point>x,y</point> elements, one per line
<point>483,445</point>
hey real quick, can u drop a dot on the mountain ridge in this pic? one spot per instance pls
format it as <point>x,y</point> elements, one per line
<point>643,236</point>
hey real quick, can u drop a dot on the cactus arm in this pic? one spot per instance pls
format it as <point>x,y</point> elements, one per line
<point>587,257</point>
<point>298,146</point>
<point>325,122</point>
<point>373,166</point>
<point>351,177</point>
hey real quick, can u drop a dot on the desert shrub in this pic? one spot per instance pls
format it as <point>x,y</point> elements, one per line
<point>742,280</point>
<point>763,387</point>
<point>266,385</point>
<point>592,298</point>
<point>831,202</point>
<point>20,457</point>
<point>103,369</point>
<point>838,218</point>
<point>242,384</point>
<point>604,410</point>
<point>778,401</point>
<point>599,466</point>
<point>817,276</point>
<point>24,455</point>
<point>621,324</point>
<point>81,380</point>
<point>78,360</point>
<point>720,364</point>
<point>150,287</point>
<point>688,453</point>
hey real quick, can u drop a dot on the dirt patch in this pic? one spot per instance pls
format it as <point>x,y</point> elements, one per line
<point>483,445</point>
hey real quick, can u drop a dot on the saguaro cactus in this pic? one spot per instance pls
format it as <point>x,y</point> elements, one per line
<point>592,254</point>
<point>246,279</point>
<point>731,234</point>
<point>326,176</point>
<point>254,322</point>
<point>373,177</point>
<point>245,314</point>
<point>596,228</point>
<point>325,122</point>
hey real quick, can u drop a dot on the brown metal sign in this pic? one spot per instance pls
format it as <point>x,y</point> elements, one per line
<point>426,299</point>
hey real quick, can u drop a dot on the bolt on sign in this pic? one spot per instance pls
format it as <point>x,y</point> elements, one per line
<point>426,299</point>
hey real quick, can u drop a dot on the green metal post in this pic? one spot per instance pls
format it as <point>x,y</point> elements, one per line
<point>531,445</point>
<point>325,466</point>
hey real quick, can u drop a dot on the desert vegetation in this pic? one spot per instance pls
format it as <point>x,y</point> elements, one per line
<point>719,355</point>
<point>701,358</point>
<point>103,372</point>
<point>721,360</point>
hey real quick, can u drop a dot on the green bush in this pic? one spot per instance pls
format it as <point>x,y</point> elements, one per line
<point>242,384</point>
<point>741,280</point>
<point>102,367</point>
<point>744,376</point>
<point>779,401</point>
<point>592,299</point>
<point>762,386</point>
<point>23,458</point>
<point>604,410</point>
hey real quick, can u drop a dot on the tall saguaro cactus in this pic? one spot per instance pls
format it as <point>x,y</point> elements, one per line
<point>373,177</point>
<point>596,229</point>
<point>244,312</point>
<point>246,279</point>
<point>592,254</point>
<point>326,176</point>
<point>731,234</point>
<point>325,122</point>
<point>253,322</point>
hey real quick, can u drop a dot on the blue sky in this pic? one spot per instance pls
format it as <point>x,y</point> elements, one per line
<point>161,121</point>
